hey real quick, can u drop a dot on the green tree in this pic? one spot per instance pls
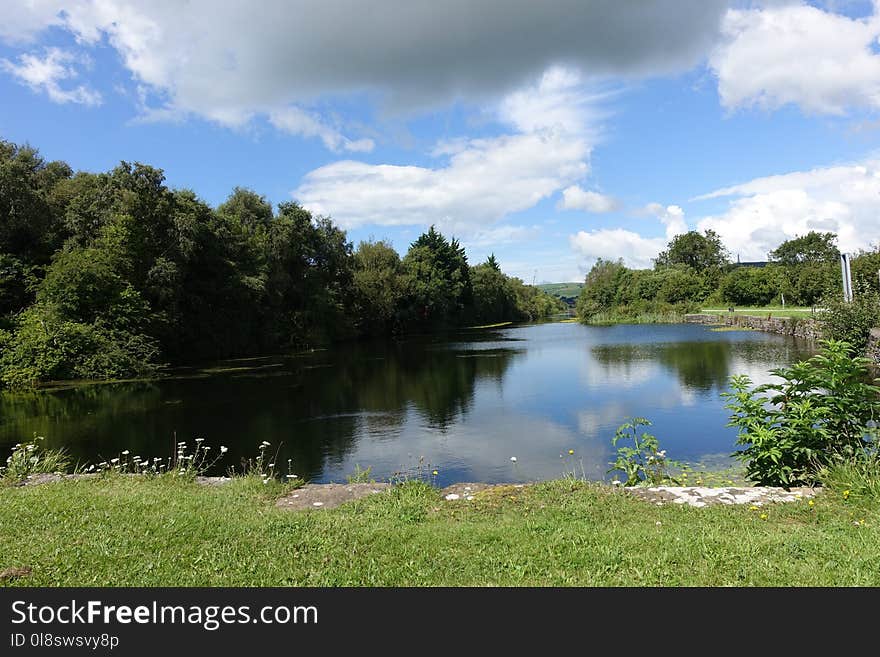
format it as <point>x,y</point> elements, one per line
<point>379,287</point>
<point>494,298</point>
<point>813,247</point>
<point>438,280</point>
<point>602,288</point>
<point>699,252</point>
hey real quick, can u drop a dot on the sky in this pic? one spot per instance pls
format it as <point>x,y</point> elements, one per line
<point>549,133</point>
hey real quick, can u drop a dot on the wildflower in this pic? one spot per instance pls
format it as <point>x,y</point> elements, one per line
<point>125,452</point>
<point>435,473</point>
<point>570,452</point>
<point>223,449</point>
<point>271,465</point>
<point>200,440</point>
<point>293,476</point>
<point>846,494</point>
<point>114,460</point>
<point>513,458</point>
<point>662,452</point>
<point>753,508</point>
<point>265,443</point>
<point>658,523</point>
<point>810,504</point>
<point>763,516</point>
<point>615,482</point>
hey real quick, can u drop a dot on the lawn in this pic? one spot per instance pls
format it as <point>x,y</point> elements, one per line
<point>763,312</point>
<point>165,531</point>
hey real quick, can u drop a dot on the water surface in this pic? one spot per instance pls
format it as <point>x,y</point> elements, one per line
<point>462,404</point>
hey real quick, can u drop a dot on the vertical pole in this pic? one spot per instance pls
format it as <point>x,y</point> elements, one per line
<point>847,277</point>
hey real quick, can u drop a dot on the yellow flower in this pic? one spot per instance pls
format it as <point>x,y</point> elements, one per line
<point>753,508</point>
<point>810,503</point>
<point>763,516</point>
<point>845,494</point>
<point>571,451</point>
<point>435,473</point>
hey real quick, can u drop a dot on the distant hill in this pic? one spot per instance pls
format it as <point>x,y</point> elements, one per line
<point>567,290</point>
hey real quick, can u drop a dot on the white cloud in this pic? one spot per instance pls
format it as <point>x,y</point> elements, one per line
<point>844,199</point>
<point>503,234</point>
<point>671,216</point>
<point>824,62</point>
<point>46,73</point>
<point>23,21</point>
<point>576,198</point>
<point>482,181</point>
<point>636,250</point>
<point>230,61</point>
<point>611,243</point>
<point>295,121</point>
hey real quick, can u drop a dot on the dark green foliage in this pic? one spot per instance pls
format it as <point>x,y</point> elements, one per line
<point>810,248</point>
<point>107,275</point>
<point>602,288</point>
<point>378,287</point>
<point>494,297</point>
<point>751,286</point>
<point>822,409</point>
<point>699,252</point>
<point>851,321</point>
<point>866,271</point>
<point>438,280</point>
<point>612,292</point>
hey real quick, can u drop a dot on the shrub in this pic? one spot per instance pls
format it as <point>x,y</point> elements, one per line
<point>821,409</point>
<point>851,322</point>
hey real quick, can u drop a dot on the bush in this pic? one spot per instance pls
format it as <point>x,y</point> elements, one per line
<point>822,409</point>
<point>851,322</point>
<point>46,347</point>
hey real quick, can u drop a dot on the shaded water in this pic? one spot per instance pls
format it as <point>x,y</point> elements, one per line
<point>463,404</point>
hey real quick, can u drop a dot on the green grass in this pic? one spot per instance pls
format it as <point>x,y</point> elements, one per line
<point>562,289</point>
<point>763,312</point>
<point>611,317</point>
<point>162,531</point>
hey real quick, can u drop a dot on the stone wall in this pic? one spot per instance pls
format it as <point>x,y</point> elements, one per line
<point>873,349</point>
<point>807,329</point>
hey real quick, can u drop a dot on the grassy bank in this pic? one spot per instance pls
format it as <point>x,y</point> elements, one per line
<point>611,317</point>
<point>799,313</point>
<point>137,531</point>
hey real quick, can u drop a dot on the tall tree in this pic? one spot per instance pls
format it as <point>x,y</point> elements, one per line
<point>438,279</point>
<point>813,248</point>
<point>699,252</point>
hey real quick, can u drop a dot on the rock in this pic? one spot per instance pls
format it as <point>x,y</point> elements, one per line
<point>327,496</point>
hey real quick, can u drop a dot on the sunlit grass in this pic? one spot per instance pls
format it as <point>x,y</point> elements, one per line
<point>772,311</point>
<point>131,531</point>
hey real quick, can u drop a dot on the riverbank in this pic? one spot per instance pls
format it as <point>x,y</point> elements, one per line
<point>165,531</point>
<point>807,329</point>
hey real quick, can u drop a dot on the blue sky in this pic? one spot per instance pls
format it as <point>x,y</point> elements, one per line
<point>549,133</point>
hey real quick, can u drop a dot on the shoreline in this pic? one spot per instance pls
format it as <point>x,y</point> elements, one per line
<point>325,496</point>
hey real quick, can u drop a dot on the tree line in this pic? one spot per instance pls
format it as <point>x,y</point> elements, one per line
<point>695,270</point>
<point>111,275</point>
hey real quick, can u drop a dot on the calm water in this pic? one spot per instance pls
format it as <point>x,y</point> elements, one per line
<point>463,404</point>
